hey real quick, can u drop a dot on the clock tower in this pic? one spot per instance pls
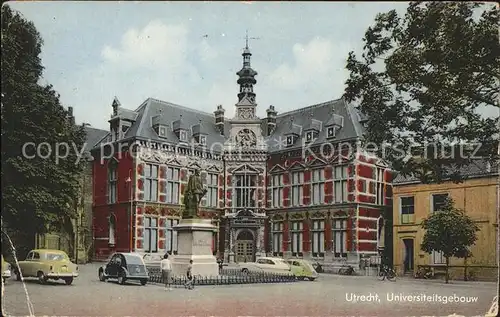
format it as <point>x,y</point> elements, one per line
<point>245,157</point>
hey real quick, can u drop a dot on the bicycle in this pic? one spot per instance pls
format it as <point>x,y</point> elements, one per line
<point>387,273</point>
<point>346,270</point>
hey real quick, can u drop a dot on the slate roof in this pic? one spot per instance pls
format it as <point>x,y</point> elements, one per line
<point>173,116</point>
<point>94,136</point>
<point>323,113</point>
<point>478,168</point>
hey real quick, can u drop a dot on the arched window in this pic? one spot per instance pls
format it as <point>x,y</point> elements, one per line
<point>112,229</point>
<point>112,182</point>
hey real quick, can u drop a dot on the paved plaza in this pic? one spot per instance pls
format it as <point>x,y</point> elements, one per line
<point>331,295</point>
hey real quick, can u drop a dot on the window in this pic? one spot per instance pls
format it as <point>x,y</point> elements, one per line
<point>150,234</point>
<point>171,245</point>
<point>340,183</point>
<point>407,209</point>
<point>36,256</point>
<point>151,182</point>
<point>163,131</point>
<point>438,201</point>
<point>362,187</point>
<point>183,135</point>
<point>112,229</point>
<point>277,234</point>
<point>330,132</point>
<point>245,190</point>
<point>318,186</point>
<point>289,140</point>
<point>112,184</point>
<point>297,237</point>
<point>203,140</point>
<point>276,191</point>
<point>380,199</point>
<point>297,188</point>
<point>318,238</point>
<point>212,186</point>
<point>309,136</point>
<point>173,185</point>
<point>340,237</point>
<point>438,257</point>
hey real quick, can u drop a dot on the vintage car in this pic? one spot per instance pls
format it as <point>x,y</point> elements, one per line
<point>47,264</point>
<point>303,269</point>
<point>124,267</point>
<point>266,264</point>
<point>5,269</point>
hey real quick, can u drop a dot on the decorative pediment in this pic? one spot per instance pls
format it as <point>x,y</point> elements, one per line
<point>194,166</point>
<point>277,217</point>
<point>297,216</point>
<point>175,162</point>
<point>340,214</point>
<point>297,166</point>
<point>277,169</point>
<point>245,168</point>
<point>213,168</point>
<point>381,162</point>
<point>316,162</point>
<point>245,213</point>
<point>340,159</point>
<point>318,215</point>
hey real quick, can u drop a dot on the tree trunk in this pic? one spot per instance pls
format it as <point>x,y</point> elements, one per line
<point>446,278</point>
<point>465,270</point>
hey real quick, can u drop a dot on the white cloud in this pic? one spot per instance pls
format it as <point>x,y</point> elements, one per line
<point>155,45</point>
<point>206,51</point>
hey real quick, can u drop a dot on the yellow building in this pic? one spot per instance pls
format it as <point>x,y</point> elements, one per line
<point>414,201</point>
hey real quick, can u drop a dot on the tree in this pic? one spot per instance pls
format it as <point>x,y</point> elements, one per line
<point>420,82</point>
<point>37,193</point>
<point>449,231</point>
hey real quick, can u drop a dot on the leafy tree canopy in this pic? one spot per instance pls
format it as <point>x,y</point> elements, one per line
<point>449,231</point>
<point>37,193</point>
<point>420,82</point>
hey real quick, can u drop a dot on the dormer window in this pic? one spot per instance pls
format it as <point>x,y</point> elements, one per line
<point>330,132</point>
<point>162,132</point>
<point>183,136</point>
<point>309,136</point>
<point>289,140</point>
<point>203,140</point>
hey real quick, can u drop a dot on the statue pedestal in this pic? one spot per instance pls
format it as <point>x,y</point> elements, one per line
<point>194,242</point>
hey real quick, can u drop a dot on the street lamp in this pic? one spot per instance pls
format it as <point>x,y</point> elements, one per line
<point>129,182</point>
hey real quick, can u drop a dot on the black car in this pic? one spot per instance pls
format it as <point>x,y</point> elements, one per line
<point>124,267</point>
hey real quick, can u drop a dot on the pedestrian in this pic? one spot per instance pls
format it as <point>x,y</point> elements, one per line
<point>221,265</point>
<point>189,276</point>
<point>166,272</point>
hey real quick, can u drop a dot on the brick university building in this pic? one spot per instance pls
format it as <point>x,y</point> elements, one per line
<point>292,184</point>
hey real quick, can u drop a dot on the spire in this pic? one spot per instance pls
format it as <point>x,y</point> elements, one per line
<point>247,75</point>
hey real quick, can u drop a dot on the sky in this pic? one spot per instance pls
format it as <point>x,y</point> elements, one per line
<point>188,53</point>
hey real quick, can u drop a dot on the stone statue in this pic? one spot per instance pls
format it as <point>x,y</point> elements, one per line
<point>193,194</point>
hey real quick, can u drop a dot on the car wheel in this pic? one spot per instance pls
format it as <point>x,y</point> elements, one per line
<point>41,277</point>
<point>144,282</point>
<point>68,280</point>
<point>311,278</point>
<point>102,278</point>
<point>245,271</point>
<point>121,278</point>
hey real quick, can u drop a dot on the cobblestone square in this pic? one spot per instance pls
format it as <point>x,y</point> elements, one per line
<point>330,295</point>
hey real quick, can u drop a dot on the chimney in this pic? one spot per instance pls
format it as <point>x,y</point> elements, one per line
<point>271,119</point>
<point>219,119</point>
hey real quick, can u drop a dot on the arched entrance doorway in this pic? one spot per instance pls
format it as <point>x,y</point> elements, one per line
<point>245,246</point>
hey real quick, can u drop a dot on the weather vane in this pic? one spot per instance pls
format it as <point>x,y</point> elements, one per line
<point>249,38</point>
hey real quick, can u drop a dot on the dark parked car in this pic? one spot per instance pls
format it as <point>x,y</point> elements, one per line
<point>124,267</point>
